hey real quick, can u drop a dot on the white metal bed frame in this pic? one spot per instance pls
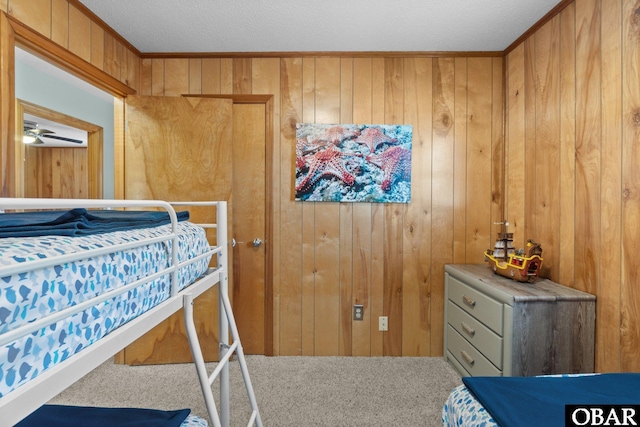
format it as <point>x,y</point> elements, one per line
<point>19,403</point>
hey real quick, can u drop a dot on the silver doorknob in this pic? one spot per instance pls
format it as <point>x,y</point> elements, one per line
<point>257,242</point>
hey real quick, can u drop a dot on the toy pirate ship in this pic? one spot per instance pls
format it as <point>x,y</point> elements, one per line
<point>522,265</point>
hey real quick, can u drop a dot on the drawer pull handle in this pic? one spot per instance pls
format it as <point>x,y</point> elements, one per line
<point>471,303</point>
<point>467,358</point>
<point>468,329</point>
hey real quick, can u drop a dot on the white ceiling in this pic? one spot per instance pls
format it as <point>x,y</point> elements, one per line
<point>165,26</point>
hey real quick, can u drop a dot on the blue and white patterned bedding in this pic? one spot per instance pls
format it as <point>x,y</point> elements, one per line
<point>194,421</point>
<point>462,409</point>
<point>32,295</point>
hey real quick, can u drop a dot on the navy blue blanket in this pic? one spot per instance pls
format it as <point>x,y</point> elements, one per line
<point>80,222</point>
<point>540,401</point>
<point>81,416</point>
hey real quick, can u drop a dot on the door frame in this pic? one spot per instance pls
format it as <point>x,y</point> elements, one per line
<point>267,101</point>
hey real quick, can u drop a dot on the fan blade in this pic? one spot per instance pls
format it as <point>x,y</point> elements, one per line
<point>42,131</point>
<point>31,126</point>
<point>62,138</point>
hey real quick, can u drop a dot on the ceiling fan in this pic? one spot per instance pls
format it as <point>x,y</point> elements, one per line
<point>34,135</point>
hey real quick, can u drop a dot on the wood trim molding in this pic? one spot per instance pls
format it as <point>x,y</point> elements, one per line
<point>364,54</point>
<point>7,108</point>
<point>61,57</point>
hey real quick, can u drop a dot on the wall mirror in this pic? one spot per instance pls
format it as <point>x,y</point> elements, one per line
<point>48,98</point>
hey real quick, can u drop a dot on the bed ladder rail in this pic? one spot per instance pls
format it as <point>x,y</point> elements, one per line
<point>226,322</point>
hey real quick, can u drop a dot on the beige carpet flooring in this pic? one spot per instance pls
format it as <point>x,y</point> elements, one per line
<point>291,391</point>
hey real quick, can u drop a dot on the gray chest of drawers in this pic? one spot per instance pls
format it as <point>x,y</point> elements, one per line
<point>496,326</point>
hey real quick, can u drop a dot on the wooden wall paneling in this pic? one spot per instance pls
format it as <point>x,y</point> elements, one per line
<point>66,180</point>
<point>3,5</point>
<point>416,277</point>
<point>195,76</point>
<point>460,161</point>
<point>131,73</point>
<point>211,75</point>
<point>497,146</point>
<point>157,77</point>
<point>80,37</point>
<point>393,218</point>
<point>60,22</point>
<point>288,319</point>
<point>47,185</point>
<point>378,260</point>
<point>608,306</point>
<point>118,149</point>
<point>515,151</point>
<point>567,146</point>
<point>588,146</point>
<point>478,195</point>
<point>345,280</point>
<point>362,247</point>
<point>266,79</point>
<point>176,79</point>
<point>113,56</point>
<point>515,131</point>
<point>308,222</point>
<point>95,183</point>
<point>146,77</point>
<point>630,294</point>
<point>327,223</point>
<point>80,178</point>
<point>547,190</point>
<point>442,155</point>
<point>30,171</point>
<point>241,75</point>
<point>345,274</point>
<point>97,46</point>
<point>226,76</point>
<point>527,231</point>
<point>29,177</point>
<point>22,10</point>
<point>53,158</point>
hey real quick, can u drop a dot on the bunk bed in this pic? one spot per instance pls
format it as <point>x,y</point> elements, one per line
<point>74,291</point>
<point>539,400</point>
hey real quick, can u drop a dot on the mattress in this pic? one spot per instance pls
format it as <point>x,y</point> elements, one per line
<point>31,295</point>
<point>462,409</point>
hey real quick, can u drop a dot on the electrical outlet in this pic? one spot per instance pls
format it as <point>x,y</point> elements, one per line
<point>358,312</point>
<point>383,323</point>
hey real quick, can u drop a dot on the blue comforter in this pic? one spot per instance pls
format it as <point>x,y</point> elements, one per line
<point>540,401</point>
<point>78,416</point>
<point>80,222</point>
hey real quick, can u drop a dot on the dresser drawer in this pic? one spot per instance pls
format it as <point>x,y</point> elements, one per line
<point>467,355</point>
<point>481,337</point>
<point>482,307</point>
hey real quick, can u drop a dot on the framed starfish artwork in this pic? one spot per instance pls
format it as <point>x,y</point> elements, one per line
<point>353,163</point>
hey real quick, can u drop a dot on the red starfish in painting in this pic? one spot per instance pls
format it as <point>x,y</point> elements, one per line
<point>396,164</point>
<point>301,161</point>
<point>325,163</point>
<point>336,134</point>
<point>373,137</point>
